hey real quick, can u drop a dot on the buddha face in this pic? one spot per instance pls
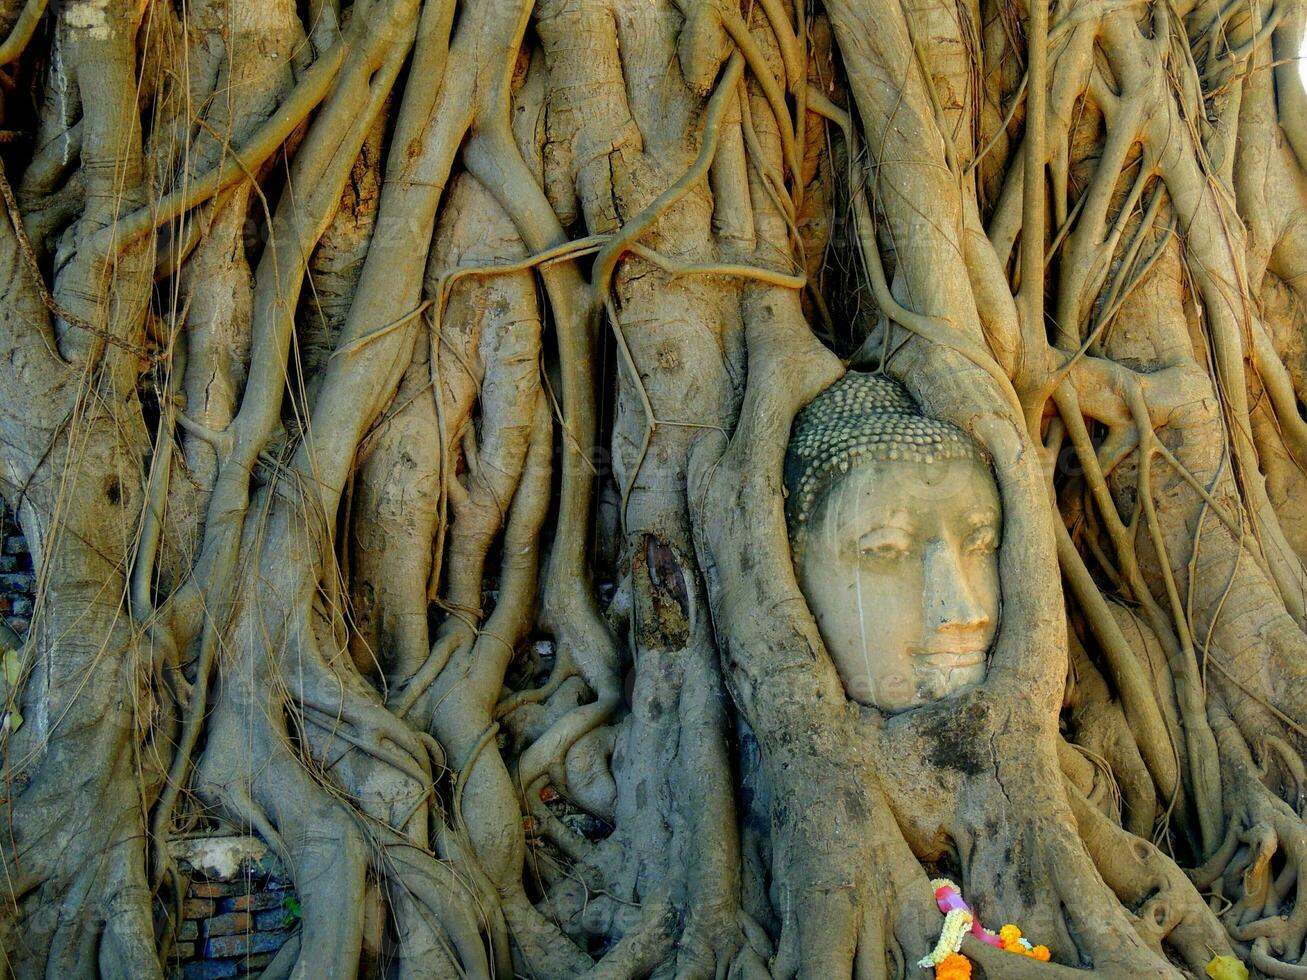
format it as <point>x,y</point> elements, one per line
<point>899,565</point>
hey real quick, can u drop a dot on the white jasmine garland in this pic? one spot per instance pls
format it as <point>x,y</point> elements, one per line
<point>957,923</point>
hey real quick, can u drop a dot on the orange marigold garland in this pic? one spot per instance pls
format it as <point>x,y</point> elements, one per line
<point>1013,942</point>
<point>955,966</point>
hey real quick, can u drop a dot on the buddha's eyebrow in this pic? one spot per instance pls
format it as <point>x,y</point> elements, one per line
<point>898,519</point>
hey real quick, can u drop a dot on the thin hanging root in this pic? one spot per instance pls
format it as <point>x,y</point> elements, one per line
<point>381,331</point>
<point>772,182</point>
<point>434,885</point>
<point>754,273</point>
<point>999,132</point>
<point>1204,768</point>
<point>332,699</point>
<point>367,742</point>
<point>1122,537</point>
<point>931,329</point>
<point>652,422</point>
<point>442,650</point>
<point>509,344</point>
<point>566,252</point>
<point>313,87</point>
<point>38,278</point>
<point>1117,299</point>
<point>1138,701</point>
<point>605,263</point>
<point>1231,524</point>
<point>757,62</point>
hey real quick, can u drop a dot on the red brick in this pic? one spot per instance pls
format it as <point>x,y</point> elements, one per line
<point>228,924</point>
<point>209,969</point>
<point>257,900</point>
<point>273,919</point>
<point>223,947</point>
<point>190,929</point>
<point>197,908</point>
<point>183,951</point>
<point>214,889</point>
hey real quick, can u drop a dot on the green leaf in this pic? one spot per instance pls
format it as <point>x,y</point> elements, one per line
<point>12,668</point>
<point>12,721</point>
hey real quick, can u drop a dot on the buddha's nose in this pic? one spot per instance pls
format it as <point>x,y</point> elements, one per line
<point>950,602</point>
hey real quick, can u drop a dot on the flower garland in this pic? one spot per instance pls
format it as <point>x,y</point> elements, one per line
<point>959,920</point>
<point>1013,942</point>
<point>955,966</point>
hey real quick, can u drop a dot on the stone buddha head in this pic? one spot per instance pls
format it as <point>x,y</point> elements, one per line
<point>895,524</point>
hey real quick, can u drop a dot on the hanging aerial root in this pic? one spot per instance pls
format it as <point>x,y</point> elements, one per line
<point>487,827</point>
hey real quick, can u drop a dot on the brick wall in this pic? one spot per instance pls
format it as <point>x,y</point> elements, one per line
<point>239,909</point>
<point>17,580</point>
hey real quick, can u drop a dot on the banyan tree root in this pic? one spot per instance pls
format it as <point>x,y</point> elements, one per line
<point>395,405</point>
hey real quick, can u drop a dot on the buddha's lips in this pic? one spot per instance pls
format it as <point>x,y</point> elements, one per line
<point>951,659</point>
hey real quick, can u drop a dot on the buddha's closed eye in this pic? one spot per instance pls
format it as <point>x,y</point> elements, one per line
<point>885,544</point>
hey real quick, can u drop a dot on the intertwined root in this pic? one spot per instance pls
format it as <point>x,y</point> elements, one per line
<point>1257,871</point>
<point>302,619</point>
